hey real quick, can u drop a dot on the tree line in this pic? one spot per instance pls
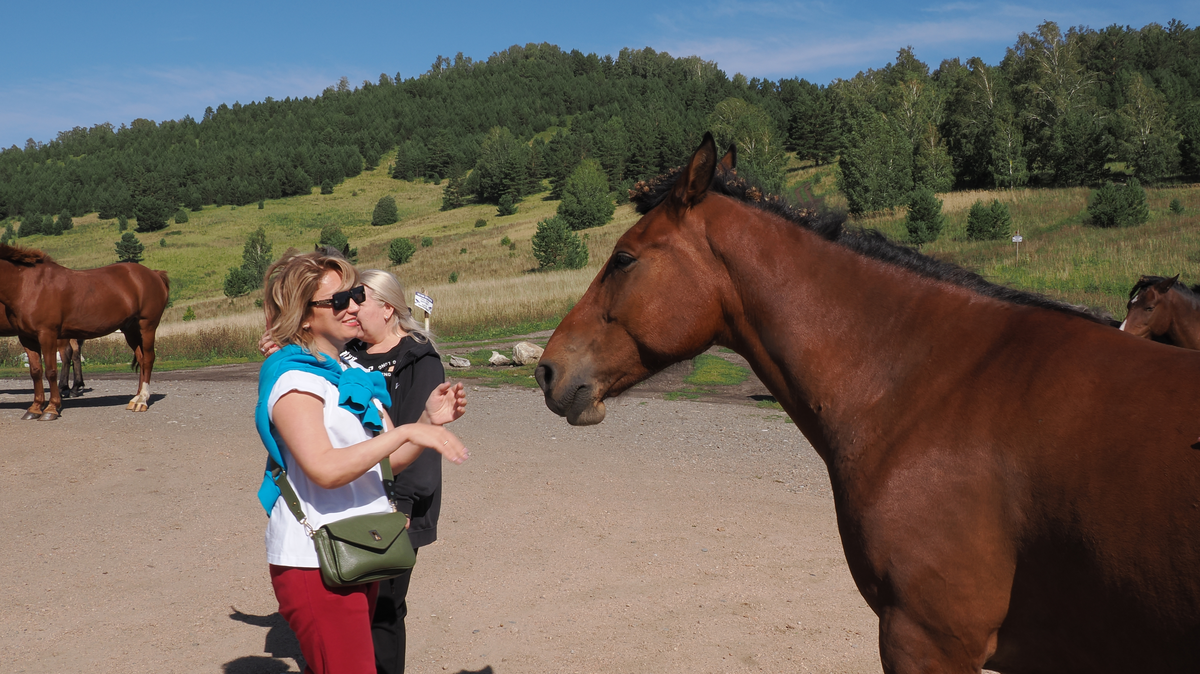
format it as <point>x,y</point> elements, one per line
<point>1058,110</point>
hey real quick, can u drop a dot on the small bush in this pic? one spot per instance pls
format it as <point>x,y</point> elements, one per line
<point>326,187</point>
<point>189,315</point>
<point>163,242</point>
<point>507,206</point>
<point>181,216</point>
<point>556,246</point>
<point>401,251</point>
<point>1119,205</point>
<point>505,241</point>
<point>1176,206</point>
<point>261,204</point>
<point>385,212</point>
<point>925,220</point>
<point>129,249</point>
<point>426,241</point>
<point>454,277</point>
<point>988,223</point>
<point>586,202</point>
<point>481,223</point>
<point>122,223</point>
<point>462,251</point>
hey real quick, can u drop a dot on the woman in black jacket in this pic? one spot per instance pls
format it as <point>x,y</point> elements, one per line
<point>394,343</point>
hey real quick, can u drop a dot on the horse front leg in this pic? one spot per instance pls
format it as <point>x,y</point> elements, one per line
<point>49,349</point>
<point>35,371</point>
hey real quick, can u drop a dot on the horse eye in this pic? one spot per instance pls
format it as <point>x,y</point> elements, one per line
<point>622,260</point>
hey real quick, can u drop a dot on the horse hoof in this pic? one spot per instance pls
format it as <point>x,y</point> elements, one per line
<point>48,416</point>
<point>131,406</point>
<point>31,415</point>
<point>141,407</point>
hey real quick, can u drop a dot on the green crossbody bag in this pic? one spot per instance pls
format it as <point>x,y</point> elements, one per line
<point>359,549</point>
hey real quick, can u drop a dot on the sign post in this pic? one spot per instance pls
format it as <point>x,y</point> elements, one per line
<point>1017,242</point>
<point>424,303</point>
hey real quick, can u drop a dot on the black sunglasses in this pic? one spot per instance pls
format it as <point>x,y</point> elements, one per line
<point>341,300</point>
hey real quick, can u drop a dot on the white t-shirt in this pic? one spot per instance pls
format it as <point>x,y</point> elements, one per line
<point>287,542</point>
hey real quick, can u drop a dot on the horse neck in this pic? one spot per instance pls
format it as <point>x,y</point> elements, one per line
<point>10,278</point>
<point>839,338</point>
<point>1184,330</point>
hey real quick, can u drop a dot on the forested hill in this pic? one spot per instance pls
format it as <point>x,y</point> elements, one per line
<point>1058,109</point>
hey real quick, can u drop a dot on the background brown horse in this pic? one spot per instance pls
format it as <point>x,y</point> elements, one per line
<point>44,301</point>
<point>1016,482</point>
<point>70,354</point>
<point>1163,308</point>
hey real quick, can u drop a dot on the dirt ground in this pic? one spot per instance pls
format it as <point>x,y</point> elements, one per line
<point>674,537</point>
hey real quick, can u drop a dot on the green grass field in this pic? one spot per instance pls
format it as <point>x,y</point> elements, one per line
<point>498,292</point>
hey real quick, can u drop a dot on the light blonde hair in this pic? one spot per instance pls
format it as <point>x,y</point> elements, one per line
<point>388,289</point>
<point>290,284</point>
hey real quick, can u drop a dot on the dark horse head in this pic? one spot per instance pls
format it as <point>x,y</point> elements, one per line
<point>1163,309</point>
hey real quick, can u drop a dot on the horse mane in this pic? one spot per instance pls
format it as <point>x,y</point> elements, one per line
<point>1147,281</point>
<point>831,225</point>
<point>23,256</point>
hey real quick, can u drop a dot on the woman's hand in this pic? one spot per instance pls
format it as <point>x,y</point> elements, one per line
<point>266,345</point>
<point>441,440</point>
<point>446,403</point>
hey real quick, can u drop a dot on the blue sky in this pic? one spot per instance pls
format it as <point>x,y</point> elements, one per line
<point>70,64</point>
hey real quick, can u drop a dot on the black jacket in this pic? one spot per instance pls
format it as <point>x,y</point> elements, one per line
<point>413,369</point>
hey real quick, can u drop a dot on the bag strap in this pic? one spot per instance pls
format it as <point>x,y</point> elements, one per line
<point>279,477</point>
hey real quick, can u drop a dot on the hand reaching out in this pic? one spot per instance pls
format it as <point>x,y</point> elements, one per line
<point>446,403</point>
<point>438,438</point>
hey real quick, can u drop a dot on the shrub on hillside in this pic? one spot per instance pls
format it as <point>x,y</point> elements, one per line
<point>181,216</point>
<point>256,257</point>
<point>585,200</point>
<point>556,246</point>
<point>508,206</point>
<point>481,223</point>
<point>401,251</point>
<point>986,223</point>
<point>426,241</point>
<point>129,249</point>
<point>925,219</point>
<point>385,211</point>
<point>1119,205</point>
<point>1176,206</point>
<point>326,186</point>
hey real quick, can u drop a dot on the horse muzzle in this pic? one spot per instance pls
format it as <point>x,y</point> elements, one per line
<point>571,397</point>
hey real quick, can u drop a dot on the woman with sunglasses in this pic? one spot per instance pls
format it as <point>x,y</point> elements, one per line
<point>317,420</point>
<point>391,341</point>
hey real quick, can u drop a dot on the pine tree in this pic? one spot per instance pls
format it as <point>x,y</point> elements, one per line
<point>129,249</point>
<point>65,223</point>
<point>256,257</point>
<point>925,219</point>
<point>453,194</point>
<point>557,247</point>
<point>1119,206</point>
<point>585,201</point>
<point>988,223</point>
<point>385,211</point>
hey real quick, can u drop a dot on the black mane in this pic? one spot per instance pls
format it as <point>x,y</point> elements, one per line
<point>868,242</point>
<point>1147,281</point>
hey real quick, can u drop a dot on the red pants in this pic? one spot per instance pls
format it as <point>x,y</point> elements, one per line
<point>333,625</point>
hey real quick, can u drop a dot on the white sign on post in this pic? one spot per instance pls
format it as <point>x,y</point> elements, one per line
<point>1017,238</point>
<point>424,302</point>
<point>1017,242</point>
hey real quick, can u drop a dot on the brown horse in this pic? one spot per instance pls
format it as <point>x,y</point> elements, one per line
<point>70,354</point>
<point>1016,483</point>
<point>44,301</point>
<point>1161,307</point>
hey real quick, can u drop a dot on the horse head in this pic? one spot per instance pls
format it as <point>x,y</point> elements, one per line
<point>658,300</point>
<point>1147,312</point>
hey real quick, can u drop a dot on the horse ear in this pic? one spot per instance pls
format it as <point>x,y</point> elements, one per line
<point>729,161</point>
<point>693,183</point>
<point>1168,283</point>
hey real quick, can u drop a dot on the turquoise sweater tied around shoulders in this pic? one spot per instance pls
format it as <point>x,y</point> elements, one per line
<point>356,388</point>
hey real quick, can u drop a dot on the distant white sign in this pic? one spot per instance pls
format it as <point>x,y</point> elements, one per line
<point>1017,238</point>
<point>423,302</point>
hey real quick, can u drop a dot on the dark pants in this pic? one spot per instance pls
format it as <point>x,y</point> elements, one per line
<point>387,625</point>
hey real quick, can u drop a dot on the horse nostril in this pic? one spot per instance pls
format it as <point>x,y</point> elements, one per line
<point>544,374</point>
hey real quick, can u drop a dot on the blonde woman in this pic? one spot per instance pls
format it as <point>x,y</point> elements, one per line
<point>317,419</point>
<point>391,341</point>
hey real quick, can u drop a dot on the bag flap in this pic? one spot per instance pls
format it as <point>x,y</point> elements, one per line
<point>374,532</point>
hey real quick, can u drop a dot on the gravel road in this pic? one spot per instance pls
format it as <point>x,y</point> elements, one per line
<point>674,537</point>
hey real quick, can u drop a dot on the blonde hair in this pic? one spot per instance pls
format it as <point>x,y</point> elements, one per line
<point>290,283</point>
<point>389,290</point>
